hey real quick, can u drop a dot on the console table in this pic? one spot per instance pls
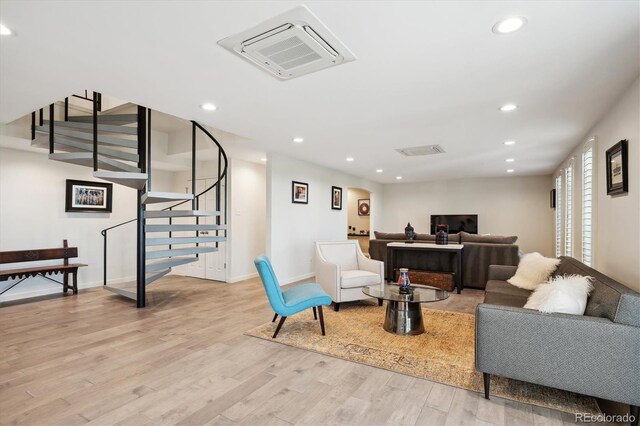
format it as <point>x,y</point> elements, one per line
<point>408,255</point>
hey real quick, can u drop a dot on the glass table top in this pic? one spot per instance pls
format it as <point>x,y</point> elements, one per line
<point>419,294</point>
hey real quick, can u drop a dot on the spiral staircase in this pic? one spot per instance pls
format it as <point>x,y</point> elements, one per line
<point>117,146</point>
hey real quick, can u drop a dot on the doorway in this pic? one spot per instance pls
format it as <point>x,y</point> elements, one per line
<point>359,217</point>
<point>210,266</point>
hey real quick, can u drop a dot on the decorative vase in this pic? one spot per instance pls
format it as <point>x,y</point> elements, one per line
<point>403,282</point>
<point>409,232</point>
<point>442,236</point>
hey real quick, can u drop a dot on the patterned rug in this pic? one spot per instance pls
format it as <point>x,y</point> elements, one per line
<point>444,353</point>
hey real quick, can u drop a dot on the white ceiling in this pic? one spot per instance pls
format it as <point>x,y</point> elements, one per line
<point>426,72</point>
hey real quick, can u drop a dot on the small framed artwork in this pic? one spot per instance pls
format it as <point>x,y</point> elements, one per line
<point>299,192</point>
<point>86,196</point>
<point>552,198</point>
<point>617,169</point>
<point>363,207</point>
<point>336,198</point>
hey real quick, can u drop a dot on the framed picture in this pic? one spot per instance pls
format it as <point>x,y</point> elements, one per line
<point>85,196</point>
<point>363,208</point>
<point>299,192</point>
<point>552,198</point>
<point>336,198</point>
<point>617,169</point>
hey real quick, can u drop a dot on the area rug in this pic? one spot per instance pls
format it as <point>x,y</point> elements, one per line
<point>444,353</point>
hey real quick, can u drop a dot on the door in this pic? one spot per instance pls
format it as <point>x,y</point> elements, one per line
<point>216,266</point>
<point>210,266</point>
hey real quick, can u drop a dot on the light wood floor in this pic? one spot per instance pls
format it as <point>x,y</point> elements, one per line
<point>96,359</point>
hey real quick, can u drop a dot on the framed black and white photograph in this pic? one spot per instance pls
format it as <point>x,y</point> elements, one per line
<point>336,198</point>
<point>86,196</point>
<point>299,192</point>
<point>363,207</point>
<point>617,169</point>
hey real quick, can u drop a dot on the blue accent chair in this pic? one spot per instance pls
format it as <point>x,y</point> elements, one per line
<point>292,301</point>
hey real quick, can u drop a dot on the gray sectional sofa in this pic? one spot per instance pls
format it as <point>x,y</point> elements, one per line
<point>597,354</point>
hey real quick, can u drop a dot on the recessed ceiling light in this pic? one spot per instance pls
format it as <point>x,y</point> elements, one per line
<point>509,25</point>
<point>263,159</point>
<point>298,140</point>
<point>378,170</point>
<point>350,158</point>
<point>510,160</point>
<point>591,140</point>
<point>510,170</point>
<point>508,107</point>
<point>208,107</point>
<point>399,177</point>
<point>4,30</point>
<point>510,143</point>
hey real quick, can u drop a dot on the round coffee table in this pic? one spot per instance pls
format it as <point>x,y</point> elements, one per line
<point>404,311</point>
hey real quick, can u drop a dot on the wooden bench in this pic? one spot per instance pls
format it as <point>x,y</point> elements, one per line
<point>65,268</point>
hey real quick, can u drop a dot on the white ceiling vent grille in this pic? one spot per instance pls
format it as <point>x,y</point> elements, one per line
<point>421,150</point>
<point>289,45</point>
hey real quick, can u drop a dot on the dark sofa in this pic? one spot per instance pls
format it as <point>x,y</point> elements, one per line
<point>597,354</point>
<point>479,252</point>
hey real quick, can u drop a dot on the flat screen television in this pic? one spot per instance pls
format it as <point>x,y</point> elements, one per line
<point>456,222</point>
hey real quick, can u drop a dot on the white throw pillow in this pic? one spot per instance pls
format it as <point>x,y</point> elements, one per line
<point>566,294</point>
<point>533,270</point>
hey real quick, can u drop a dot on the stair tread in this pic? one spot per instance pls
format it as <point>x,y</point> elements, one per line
<point>103,140</point>
<point>164,197</point>
<point>178,252</point>
<point>155,214</point>
<point>70,145</point>
<point>132,180</point>
<point>89,126</point>
<point>169,263</point>
<point>184,227</point>
<point>125,118</point>
<point>86,159</point>
<point>184,240</point>
<point>127,289</point>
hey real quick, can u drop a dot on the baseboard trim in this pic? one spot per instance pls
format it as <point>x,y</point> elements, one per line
<point>9,296</point>
<point>297,278</point>
<point>238,278</point>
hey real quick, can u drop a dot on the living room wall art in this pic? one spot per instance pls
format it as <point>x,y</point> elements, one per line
<point>617,169</point>
<point>336,198</point>
<point>363,207</point>
<point>299,192</point>
<point>86,196</point>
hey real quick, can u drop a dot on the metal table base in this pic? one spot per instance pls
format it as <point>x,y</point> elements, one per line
<point>404,318</point>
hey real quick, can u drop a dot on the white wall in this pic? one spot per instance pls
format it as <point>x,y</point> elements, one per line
<point>32,216</point>
<point>247,218</point>
<point>505,206</point>
<point>293,229</point>
<point>617,218</point>
<point>360,222</point>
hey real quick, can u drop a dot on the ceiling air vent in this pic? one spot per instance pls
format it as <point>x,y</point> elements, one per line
<point>421,150</point>
<point>289,45</point>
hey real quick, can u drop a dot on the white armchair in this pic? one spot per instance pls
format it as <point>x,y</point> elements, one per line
<point>342,270</point>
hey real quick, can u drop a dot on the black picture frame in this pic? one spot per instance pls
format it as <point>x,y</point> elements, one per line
<point>552,198</point>
<point>364,207</point>
<point>83,196</point>
<point>336,198</point>
<point>299,192</point>
<point>617,169</point>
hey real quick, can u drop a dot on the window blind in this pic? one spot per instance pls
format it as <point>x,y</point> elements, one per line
<point>587,205</point>
<point>558,215</point>
<point>568,228</point>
